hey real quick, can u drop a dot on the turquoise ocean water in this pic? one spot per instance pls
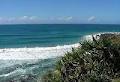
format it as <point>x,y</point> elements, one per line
<point>31,49</point>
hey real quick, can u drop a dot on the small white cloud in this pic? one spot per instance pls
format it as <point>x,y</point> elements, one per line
<point>65,18</point>
<point>28,18</point>
<point>69,18</point>
<point>23,17</point>
<point>33,17</point>
<point>92,18</point>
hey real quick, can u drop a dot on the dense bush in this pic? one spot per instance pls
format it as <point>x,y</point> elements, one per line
<point>96,61</point>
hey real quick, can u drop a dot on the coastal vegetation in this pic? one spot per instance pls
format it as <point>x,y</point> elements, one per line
<point>93,61</point>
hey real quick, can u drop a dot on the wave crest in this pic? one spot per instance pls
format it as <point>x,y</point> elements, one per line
<point>35,53</point>
<point>42,52</point>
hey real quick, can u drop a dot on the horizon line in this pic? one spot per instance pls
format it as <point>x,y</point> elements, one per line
<point>63,24</point>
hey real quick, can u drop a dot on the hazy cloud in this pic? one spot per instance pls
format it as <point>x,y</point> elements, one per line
<point>92,18</point>
<point>35,19</point>
<point>68,18</point>
<point>23,18</point>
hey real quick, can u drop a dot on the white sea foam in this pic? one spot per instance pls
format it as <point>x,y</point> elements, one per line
<point>14,73</point>
<point>12,56</point>
<point>42,52</point>
<point>96,35</point>
<point>90,37</point>
<point>18,56</point>
<point>35,53</point>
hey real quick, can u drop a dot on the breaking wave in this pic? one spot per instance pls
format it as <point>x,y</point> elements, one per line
<point>21,61</point>
<point>35,53</point>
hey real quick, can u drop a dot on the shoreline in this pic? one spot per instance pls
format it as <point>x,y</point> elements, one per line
<point>34,62</point>
<point>44,52</point>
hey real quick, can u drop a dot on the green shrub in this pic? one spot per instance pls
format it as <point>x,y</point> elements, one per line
<point>52,76</point>
<point>97,61</point>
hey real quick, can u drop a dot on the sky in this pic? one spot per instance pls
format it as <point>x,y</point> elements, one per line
<point>59,11</point>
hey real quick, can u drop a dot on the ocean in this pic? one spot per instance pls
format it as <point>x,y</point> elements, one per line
<point>32,49</point>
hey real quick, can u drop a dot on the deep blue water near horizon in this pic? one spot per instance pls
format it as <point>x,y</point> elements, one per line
<point>45,35</point>
<point>39,35</point>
